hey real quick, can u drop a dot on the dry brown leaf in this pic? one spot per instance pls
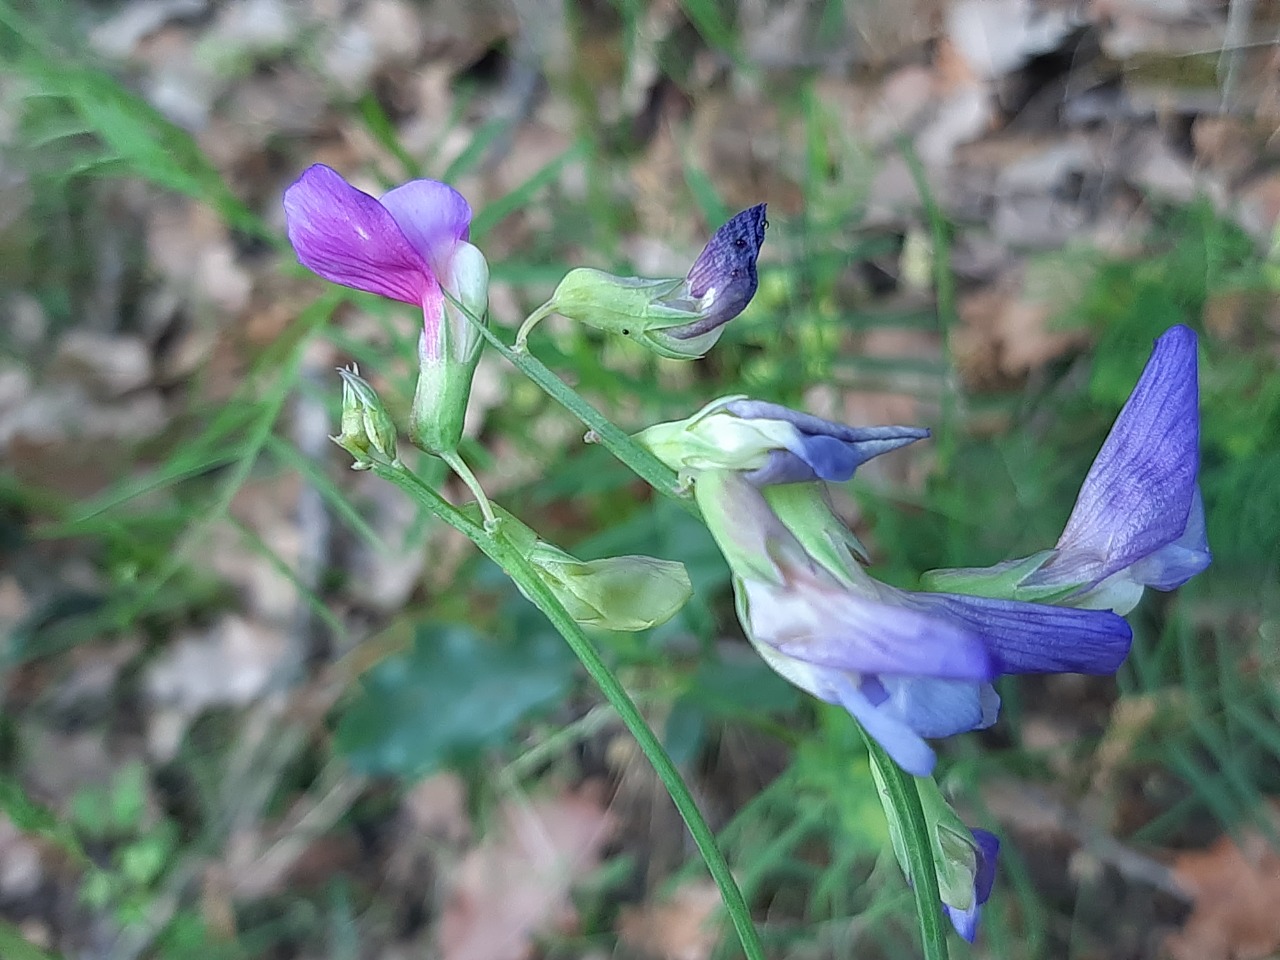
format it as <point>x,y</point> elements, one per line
<point>515,885</point>
<point>679,927</point>
<point>1236,890</point>
<point>1006,333</point>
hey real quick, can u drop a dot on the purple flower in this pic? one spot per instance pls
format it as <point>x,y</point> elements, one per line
<point>723,279</point>
<point>966,921</point>
<point>410,246</point>
<point>1139,510</point>
<point>908,666</point>
<point>1138,521</point>
<point>400,247</point>
<point>770,443</point>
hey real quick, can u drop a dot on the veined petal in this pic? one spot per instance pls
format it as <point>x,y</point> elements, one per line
<point>1036,637</point>
<point>433,216</point>
<point>347,237</point>
<point>832,627</point>
<point>1137,496</point>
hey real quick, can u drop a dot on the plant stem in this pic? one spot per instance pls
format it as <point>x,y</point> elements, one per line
<point>527,579</point>
<point>643,463</point>
<point>921,870</point>
<point>531,321</point>
<point>459,466</point>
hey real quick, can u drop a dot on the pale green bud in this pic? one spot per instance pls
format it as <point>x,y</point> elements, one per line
<point>366,429</point>
<point>616,593</point>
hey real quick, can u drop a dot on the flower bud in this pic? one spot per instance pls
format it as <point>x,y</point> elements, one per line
<point>366,428</point>
<point>615,593</point>
<point>964,860</point>
<point>680,319</point>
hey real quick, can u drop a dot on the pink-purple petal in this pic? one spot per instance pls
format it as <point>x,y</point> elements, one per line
<point>433,216</point>
<point>347,237</point>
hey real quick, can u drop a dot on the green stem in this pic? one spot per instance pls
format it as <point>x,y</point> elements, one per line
<point>531,321</point>
<point>643,463</point>
<point>527,579</point>
<point>459,466</point>
<point>921,870</point>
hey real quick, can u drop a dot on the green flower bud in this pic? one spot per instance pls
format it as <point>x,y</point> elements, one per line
<point>616,593</point>
<point>677,319</point>
<point>959,855</point>
<point>366,429</point>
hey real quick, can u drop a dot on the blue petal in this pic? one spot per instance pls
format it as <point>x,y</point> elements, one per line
<point>988,850</point>
<point>1038,638</point>
<point>904,746</point>
<point>1137,496</point>
<point>855,634</point>
<point>964,921</point>
<point>937,708</point>
<point>1173,565</point>
<point>820,449</point>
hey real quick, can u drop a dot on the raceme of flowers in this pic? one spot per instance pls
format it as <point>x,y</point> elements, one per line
<point>909,666</point>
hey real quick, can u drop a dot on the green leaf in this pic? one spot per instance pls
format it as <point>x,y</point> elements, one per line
<point>448,697</point>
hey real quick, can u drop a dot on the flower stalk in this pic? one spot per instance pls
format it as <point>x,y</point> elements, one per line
<point>526,578</point>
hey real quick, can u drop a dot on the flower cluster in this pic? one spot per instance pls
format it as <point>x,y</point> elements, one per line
<point>909,666</point>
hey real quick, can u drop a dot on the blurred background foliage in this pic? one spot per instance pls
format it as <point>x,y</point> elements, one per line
<point>257,706</point>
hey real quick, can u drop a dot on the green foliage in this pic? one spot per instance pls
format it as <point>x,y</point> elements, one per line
<point>451,695</point>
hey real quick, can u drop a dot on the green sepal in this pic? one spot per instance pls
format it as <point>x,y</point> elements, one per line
<point>1002,581</point>
<point>440,403</point>
<point>634,307</point>
<point>805,510</point>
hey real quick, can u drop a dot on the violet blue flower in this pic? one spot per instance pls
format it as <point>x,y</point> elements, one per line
<point>676,318</point>
<point>770,443</point>
<point>966,921</point>
<point>908,666</point>
<point>1138,520</point>
<point>411,246</point>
